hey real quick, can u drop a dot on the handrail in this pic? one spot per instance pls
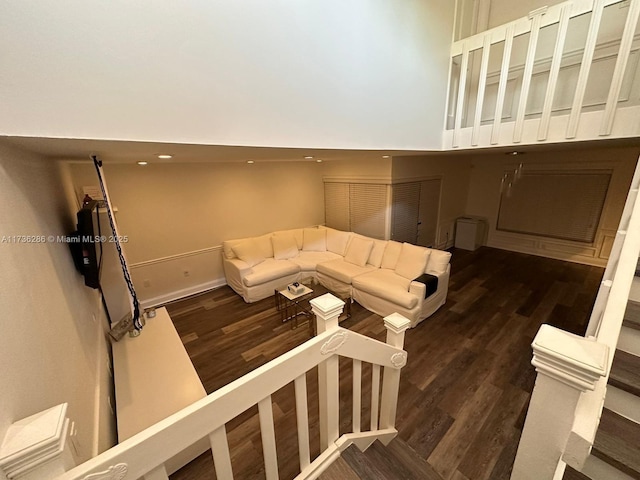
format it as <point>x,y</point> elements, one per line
<point>616,251</point>
<point>574,370</point>
<point>607,323</point>
<point>144,455</point>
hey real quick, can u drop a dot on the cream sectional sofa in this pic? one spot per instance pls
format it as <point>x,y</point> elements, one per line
<point>380,275</point>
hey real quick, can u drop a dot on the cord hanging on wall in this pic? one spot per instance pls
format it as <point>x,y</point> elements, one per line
<point>135,316</point>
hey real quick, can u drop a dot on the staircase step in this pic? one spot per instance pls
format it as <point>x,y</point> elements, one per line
<point>625,372</point>
<point>618,443</point>
<point>632,323</point>
<point>634,293</point>
<point>339,470</point>
<point>396,460</point>
<point>571,474</point>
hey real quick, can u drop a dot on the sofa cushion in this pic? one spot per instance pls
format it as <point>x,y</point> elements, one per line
<point>297,234</point>
<point>314,240</point>
<point>438,261</point>
<point>358,251</point>
<point>377,252</point>
<point>249,252</point>
<point>265,245</point>
<point>387,284</point>
<point>341,270</point>
<point>227,247</point>
<point>337,240</point>
<point>270,269</point>
<point>309,260</point>
<point>412,261</point>
<point>391,255</point>
<point>284,246</point>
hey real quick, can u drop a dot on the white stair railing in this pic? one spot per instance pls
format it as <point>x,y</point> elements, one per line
<point>573,371</point>
<point>144,455</point>
<point>468,125</point>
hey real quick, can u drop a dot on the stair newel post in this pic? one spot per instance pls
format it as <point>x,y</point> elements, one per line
<point>567,365</point>
<point>327,309</point>
<point>396,325</point>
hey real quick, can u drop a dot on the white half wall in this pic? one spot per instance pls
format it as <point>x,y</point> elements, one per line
<point>52,328</point>
<point>367,74</point>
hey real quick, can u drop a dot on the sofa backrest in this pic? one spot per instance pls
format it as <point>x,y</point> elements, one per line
<point>438,261</point>
<point>263,242</point>
<point>383,254</point>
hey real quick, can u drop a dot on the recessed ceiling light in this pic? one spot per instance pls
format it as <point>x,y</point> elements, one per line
<point>386,156</point>
<point>143,163</point>
<point>250,162</point>
<point>319,161</point>
<point>165,156</point>
<point>308,158</point>
<point>515,152</point>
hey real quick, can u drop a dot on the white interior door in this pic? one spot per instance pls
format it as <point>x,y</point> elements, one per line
<point>429,208</point>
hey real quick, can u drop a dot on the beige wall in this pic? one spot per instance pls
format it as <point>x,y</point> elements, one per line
<point>455,171</point>
<point>484,198</point>
<point>52,342</point>
<point>172,208</point>
<point>375,166</point>
<point>177,215</point>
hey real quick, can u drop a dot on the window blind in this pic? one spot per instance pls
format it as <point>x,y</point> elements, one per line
<point>565,205</point>
<point>368,209</point>
<point>336,206</point>
<point>405,209</point>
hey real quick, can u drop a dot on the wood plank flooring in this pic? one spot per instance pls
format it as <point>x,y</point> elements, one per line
<point>464,391</point>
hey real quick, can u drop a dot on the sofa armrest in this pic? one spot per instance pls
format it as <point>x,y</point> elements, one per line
<point>418,289</point>
<point>234,271</point>
<point>443,280</point>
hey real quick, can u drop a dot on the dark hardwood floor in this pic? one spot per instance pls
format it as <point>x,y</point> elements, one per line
<point>464,391</point>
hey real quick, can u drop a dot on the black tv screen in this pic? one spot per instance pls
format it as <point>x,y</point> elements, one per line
<point>89,229</point>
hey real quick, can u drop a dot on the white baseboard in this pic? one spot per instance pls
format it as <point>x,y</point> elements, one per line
<point>184,292</point>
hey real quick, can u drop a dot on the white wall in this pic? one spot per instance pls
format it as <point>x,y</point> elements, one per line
<point>52,341</point>
<point>455,172</point>
<point>484,199</point>
<point>360,74</point>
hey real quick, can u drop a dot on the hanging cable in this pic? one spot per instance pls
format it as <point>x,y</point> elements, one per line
<point>137,324</point>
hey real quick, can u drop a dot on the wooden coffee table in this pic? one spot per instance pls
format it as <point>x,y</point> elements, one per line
<point>293,307</point>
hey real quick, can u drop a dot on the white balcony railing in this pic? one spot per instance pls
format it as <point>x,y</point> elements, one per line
<point>145,454</point>
<point>565,72</point>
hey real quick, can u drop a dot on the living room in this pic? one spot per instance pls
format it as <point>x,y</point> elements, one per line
<point>177,213</point>
<point>185,210</point>
<point>357,93</point>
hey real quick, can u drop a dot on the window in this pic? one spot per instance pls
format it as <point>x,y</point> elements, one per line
<point>357,207</point>
<point>565,205</point>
